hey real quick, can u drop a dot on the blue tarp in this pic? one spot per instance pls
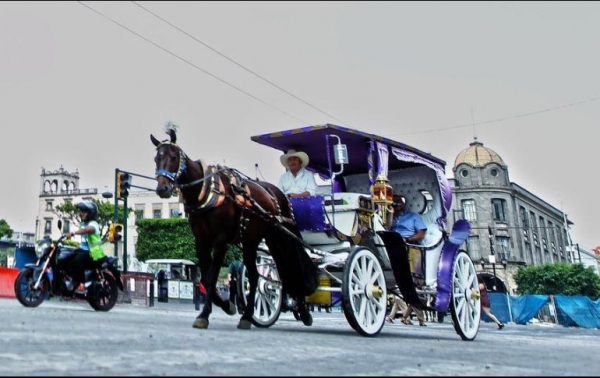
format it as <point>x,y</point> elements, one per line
<point>577,311</point>
<point>499,307</point>
<point>526,307</point>
<point>571,311</point>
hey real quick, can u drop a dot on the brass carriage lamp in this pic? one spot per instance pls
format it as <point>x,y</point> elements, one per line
<point>382,194</point>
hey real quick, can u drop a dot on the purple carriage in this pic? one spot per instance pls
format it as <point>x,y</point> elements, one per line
<point>359,261</point>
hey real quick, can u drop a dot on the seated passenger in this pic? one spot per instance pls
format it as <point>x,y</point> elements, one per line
<point>412,229</point>
<point>297,181</point>
<point>407,223</point>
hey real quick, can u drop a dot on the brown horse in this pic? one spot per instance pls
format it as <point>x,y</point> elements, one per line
<point>225,207</point>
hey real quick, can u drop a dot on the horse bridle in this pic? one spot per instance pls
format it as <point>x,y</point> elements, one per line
<point>173,177</point>
<point>168,174</point>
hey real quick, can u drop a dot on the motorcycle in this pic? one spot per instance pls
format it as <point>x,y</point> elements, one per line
<point>50,276</point>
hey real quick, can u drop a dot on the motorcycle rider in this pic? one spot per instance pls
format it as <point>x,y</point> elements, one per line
<point>90,252</point>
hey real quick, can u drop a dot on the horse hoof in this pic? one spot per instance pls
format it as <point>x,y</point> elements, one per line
<point>232,309</point>
<point>201,323</point>
<point>244,324</point>
<point>306,318</point>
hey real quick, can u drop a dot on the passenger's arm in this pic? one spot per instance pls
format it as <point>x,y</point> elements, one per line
<point>417,237</point>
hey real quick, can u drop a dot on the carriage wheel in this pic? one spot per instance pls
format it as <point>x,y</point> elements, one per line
<point>364,294</point>
<point>465,306</point>
<point>268,298</point>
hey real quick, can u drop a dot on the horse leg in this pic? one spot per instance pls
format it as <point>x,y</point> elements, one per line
<point>219,251</point>
<point>249,256</point>
<point>303,311</point>
<point>203,253</point>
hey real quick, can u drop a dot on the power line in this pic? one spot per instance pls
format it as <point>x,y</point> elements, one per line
<point>501,119</point>
<point>190,63</point>
<point>236,63</point>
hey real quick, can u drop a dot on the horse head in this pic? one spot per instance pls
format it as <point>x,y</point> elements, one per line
<point>170,164</point>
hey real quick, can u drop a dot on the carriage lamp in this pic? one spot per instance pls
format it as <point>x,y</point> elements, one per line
<point>382,194</point>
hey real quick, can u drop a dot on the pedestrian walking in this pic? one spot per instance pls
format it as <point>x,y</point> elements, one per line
<point>486,304</point>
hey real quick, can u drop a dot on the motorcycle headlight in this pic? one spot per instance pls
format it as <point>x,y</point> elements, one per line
<point>41,247</point>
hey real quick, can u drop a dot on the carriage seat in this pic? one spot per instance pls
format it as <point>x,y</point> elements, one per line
<point>322,221</point>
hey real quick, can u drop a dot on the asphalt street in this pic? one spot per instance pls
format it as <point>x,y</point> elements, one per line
<point>71,339</point>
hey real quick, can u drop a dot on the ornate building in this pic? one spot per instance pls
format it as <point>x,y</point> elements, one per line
<point>510,225</point>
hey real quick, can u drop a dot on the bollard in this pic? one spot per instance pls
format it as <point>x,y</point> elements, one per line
<point>151,297</point>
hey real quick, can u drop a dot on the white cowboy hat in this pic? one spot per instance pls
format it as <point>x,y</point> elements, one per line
<point>293,153</point>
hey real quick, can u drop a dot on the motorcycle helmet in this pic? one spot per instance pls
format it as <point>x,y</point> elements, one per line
<point>89,207</point>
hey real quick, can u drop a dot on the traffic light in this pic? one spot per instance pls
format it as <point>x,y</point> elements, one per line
<point>118,229</point>
<point>123,184</point>
<point>114,232</point>
<point>111,233</point>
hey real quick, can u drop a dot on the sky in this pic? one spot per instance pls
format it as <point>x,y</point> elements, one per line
<point>84,84</point>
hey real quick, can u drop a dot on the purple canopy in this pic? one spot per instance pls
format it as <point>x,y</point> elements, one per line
<point>317,142</point>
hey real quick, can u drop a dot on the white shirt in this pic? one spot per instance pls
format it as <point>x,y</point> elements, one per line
<point>304,181</point>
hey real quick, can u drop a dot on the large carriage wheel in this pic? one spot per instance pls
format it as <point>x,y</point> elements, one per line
<point>364,294</point>
<point>268,298</point>
<point>465,306</point>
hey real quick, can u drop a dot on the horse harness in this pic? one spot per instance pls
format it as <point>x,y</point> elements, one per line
<point>213,193</point>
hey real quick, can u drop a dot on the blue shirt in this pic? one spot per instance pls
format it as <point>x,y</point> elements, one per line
<point>304,181</point>
<point>407,224</point>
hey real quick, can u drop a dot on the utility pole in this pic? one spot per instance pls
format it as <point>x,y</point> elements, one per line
<point>493,255</point>
<point>116,214</point>
<point>570,246</point>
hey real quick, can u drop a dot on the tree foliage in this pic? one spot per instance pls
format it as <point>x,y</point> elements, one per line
<point>106,213</point>
<point>5,229</point>
<point>170,239</point>
<point>558,279</point>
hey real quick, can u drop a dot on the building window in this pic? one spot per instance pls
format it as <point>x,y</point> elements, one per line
<point>157,210</point>
<point>469,210</point>
<point>472,245</point>
<point>464,173</point>
<point>494,172</point>
<point>523,215</point>
<point>48,226</point>
<point>532,220</point>
<point>499,209</point>
<point>48,205</point>
<point>66,226</point>
<point>139,212</point>
<point>174,211</point>
<point>503,247</point>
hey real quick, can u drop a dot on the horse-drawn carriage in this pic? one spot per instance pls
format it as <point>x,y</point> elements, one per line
<point>343,230</point>
<point>336,236</point>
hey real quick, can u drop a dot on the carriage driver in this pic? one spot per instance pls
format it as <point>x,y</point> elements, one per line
<point>297,181</point>
<point>90,250</point>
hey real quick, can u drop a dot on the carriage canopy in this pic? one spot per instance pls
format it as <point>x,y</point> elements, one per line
<point>367,154</point>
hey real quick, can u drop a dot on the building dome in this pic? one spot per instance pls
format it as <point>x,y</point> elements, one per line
<point>476,155</point>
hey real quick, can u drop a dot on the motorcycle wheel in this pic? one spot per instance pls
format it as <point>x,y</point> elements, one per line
<point>24,291</point>
<point>103,295</point>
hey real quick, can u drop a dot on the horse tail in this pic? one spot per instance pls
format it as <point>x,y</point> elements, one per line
<point>297,271</point>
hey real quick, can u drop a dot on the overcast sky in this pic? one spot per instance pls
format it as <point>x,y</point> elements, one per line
<point>78,90</point>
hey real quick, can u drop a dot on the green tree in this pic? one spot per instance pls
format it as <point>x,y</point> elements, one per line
<point>5,229</point>
<point>558,279</point>
<point>106,213</point>
<point>170,239</point>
